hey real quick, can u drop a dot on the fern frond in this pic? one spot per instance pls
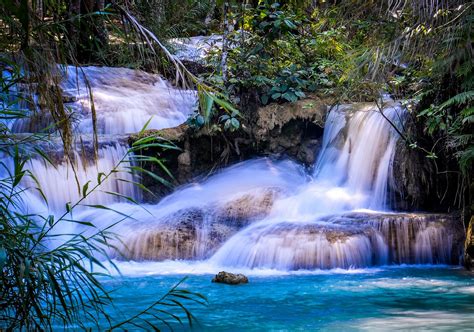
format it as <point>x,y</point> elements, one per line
<point>459,99</point>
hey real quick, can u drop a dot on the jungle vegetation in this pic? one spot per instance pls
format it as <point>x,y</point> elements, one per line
<point>420,51</point>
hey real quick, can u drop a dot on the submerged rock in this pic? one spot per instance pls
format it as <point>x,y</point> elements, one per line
<point>230,278</point>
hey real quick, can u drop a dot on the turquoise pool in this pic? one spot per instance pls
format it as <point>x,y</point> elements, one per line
<point>388,298</point>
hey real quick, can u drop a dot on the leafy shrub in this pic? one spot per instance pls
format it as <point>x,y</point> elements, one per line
<point>281,54</point>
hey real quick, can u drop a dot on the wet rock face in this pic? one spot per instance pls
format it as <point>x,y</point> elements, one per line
<point>293,129</point>
<point>230,278</point>
<point>469,245</point>
<point>249,207</point>
<point>421,183</point>
<point>195,233</point>
<point>165,240</point>
<point>289,130</point>
<point>413,182</point>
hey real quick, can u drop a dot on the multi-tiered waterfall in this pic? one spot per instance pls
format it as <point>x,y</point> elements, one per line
<point>261,213</point>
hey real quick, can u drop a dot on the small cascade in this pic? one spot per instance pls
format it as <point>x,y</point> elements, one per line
<point>63,182</point>
<point>195,221</point>
<point>195,233</point>
<point>358,148</point>
<point>420,239</point>
<point>354,166</point>
<point>350,240</point>
<point>124,101</point>
<point>195,49</point>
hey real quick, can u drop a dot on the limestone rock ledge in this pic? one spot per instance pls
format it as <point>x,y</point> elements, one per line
<point>288,130</point>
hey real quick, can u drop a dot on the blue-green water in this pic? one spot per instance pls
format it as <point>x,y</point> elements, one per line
<point>395,298</point>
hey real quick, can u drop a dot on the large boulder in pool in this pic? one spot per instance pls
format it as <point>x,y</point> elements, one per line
<point>230,278</point>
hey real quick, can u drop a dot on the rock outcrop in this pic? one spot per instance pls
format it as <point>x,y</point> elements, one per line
<point>413,184</point>
<point>230,278</point>
<point>420,182</point>
<point>194,233</point>
<point>469,245</point>
<point>292,129</point>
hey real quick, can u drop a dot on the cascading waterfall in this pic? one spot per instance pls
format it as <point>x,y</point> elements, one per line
<point>124,100</point>
<point>257,214</point>
<point>195,220</point>
<point>352,173</point>
<point>63,183</point>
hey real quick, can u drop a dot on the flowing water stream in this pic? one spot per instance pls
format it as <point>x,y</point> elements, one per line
<point>308,238</point>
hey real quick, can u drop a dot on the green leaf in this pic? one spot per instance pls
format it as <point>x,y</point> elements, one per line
<point>3,258</point>
<point>206,101</point>
<point>290,24</point>
<point>291,97</point>
<point>99,177</point>
<point>300,94</point>
<point>145,126</point>
<point>235,123</point>
<point>84,189</point>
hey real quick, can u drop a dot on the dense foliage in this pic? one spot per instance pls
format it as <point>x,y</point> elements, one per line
<point>278,52</point>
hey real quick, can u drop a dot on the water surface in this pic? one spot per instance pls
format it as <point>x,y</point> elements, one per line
<point>393,298</point>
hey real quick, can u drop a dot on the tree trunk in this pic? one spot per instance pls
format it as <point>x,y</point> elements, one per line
<point>100,29</point>
<point>225,43</point>
<point>74,11</point>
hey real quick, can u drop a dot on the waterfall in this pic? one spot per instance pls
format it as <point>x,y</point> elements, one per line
<point>63,183</point>
<point>336,217</point>
<point>352,173</point>
<point>358,148</point>
<point>124,100</point>
<point>261,213</point>
<point>349,240</point>
<point>195,220</point>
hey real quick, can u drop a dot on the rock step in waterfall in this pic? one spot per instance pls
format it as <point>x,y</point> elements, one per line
<point>261,213</point>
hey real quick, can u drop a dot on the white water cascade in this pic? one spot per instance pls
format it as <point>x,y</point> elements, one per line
<point>124,100</point>
<point>352,174</point>
<point>257,214</point>
<point>274,215</point>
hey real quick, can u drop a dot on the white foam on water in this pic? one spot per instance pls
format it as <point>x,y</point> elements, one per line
<point>429,320</point>
<point>183,267</point>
